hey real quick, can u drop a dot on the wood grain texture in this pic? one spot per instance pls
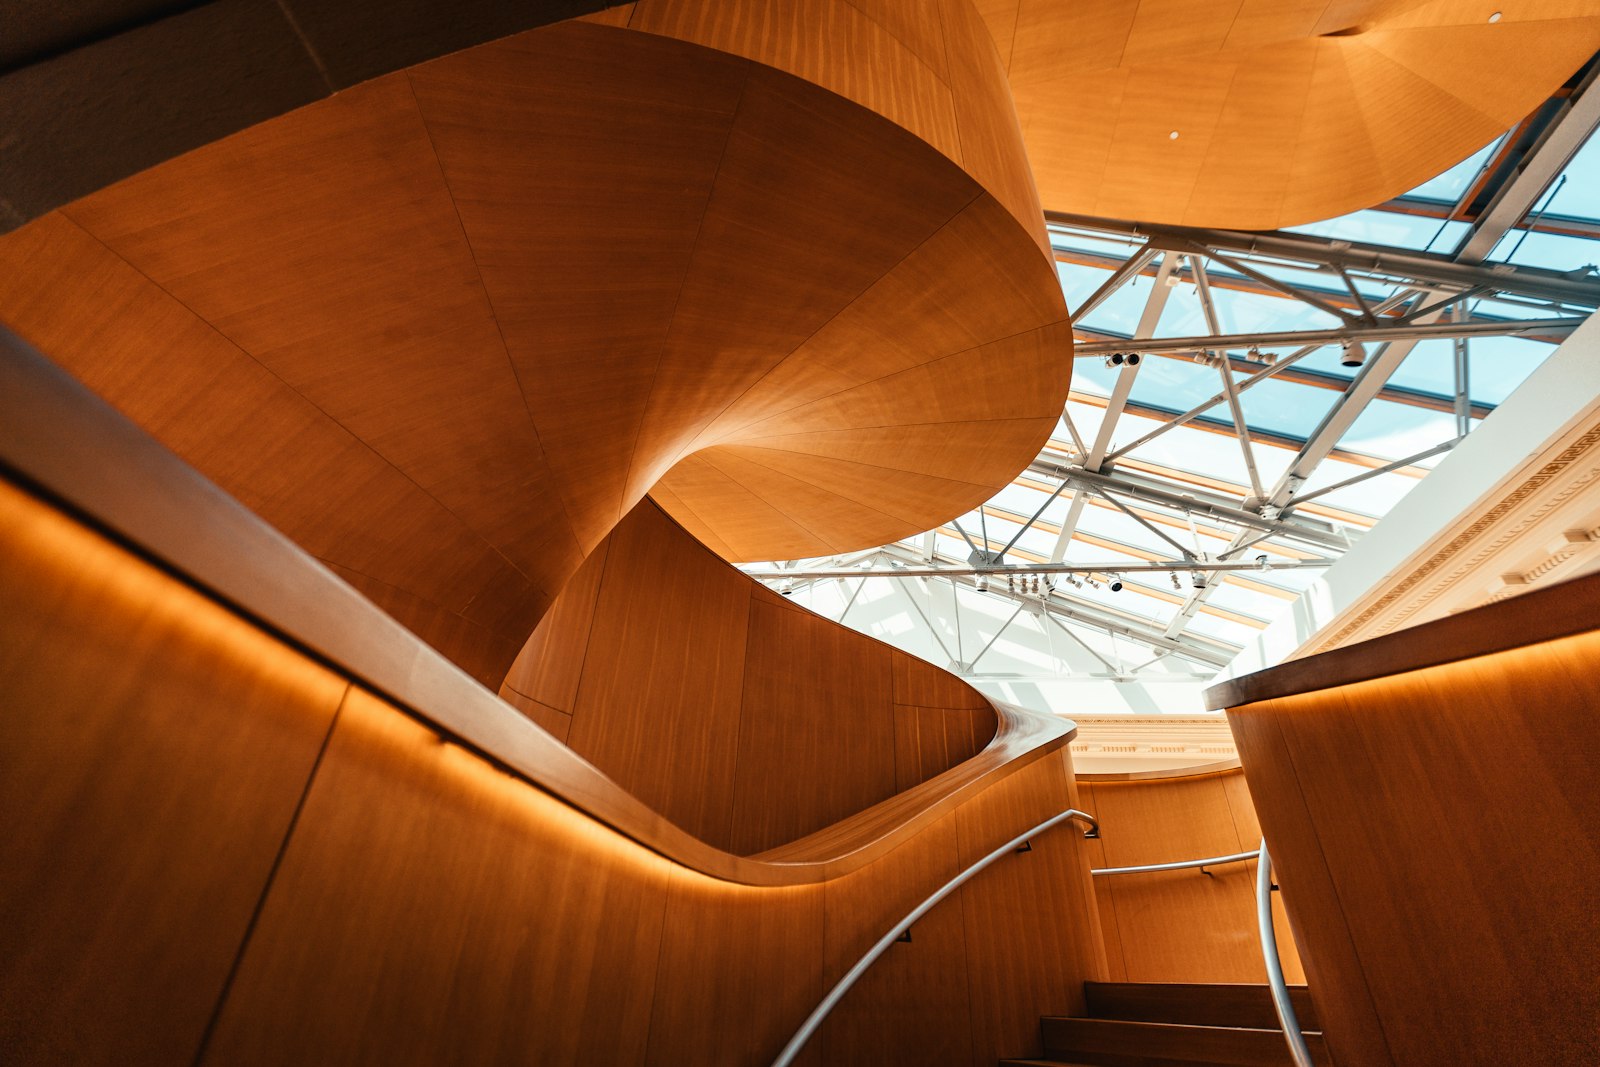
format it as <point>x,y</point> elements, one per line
<point>1435,834</point>
<point>417,902</point>
<point>1187,925</point>
<point>739,716</point>
<point>477,336</point>
<point>139,814</point>
<point>1025,962</point>
<point>1274,101</point>
<point>1555,611</point>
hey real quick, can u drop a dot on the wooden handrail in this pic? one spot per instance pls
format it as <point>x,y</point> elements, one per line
<point>1543,615</point>
<point>64,443</point>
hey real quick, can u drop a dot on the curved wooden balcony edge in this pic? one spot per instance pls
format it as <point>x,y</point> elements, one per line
<point>63,442</point>
<point>1562,610</point>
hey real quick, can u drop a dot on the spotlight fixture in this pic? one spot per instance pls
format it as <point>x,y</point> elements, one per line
<point>1175,276</point>
<point>1261,563</point>
<point>787,588</point>
<point>981,581</point>
<point>1174,576</point>
<point>1115,585</point>
<point>1131,359</point>
<point>1353,355</point>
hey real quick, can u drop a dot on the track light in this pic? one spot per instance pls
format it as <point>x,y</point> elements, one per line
<point>1174,576</point>
<point>1262,564</point>
<point>787,588</point>
<point>1353,355</point>
<point>981,581</point>
<point>1115,585</point>
<point>1131,359</point>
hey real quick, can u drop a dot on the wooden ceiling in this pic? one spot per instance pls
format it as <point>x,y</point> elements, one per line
<point>446,328</point>
<point>1286,111</point>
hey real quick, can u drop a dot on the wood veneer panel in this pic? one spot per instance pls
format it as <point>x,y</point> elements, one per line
<point>1432,865</point>
<point>1556,611</point>
<point>929,741</point>
<point>904,80</point>
<point>665,665</point>
<point>986,118</point>
<point>741,967</point>
<point>583,242</point>
<point>430,908</point>
<point>73,447</point>
<point>1332,966</point>
<point>256,437</point>
<point>512,330</point>
<point>554,721</point>
<point>1279,98</point>
<point>549,668</point>
<point>1188,925</point>
<point>913,1006</point>
<point>816,753</point>
<point>140,810</point>
<point>368,258</point>
<point>1032,927</point>
<point>1185,925</point>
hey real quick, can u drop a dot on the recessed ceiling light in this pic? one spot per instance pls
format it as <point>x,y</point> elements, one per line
<point>1173,136</point>
<point>1495,17</point>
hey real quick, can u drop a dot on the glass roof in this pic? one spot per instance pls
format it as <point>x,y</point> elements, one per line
<point>1183,624</point>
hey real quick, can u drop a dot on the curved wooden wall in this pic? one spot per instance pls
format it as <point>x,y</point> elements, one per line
<point>1180,926</point>
<point>743,718</point>
<point>1430,801</point>
<point>217,849</point>
<point>1286,111</point>
<point>444,337</point>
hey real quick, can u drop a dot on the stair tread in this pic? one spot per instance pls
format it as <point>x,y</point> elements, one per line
<point>1199,1004</point>
<point>1126,1040</point>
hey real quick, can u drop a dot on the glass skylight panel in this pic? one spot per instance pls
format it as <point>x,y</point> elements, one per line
<point>1558,251</point>
<point>1204,461</point>
<point>1286,407</point>
<point>1391,431</point>
<point>1448,187</point>
<point>1373,226</point>
<point>1579,196</point>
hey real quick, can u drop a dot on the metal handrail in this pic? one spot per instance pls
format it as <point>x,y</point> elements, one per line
<point>1269,955</point>
<point>836,994</point>
<point>1178,865</point>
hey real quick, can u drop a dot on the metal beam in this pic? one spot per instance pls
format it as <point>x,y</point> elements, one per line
<point>1410,331</point>
<point>1183,566</point>
<point>1130,268</point>
<point>1428,269</point>
<point>1153,306</point>
<point>1579,117</point>
<point>1300,530</point>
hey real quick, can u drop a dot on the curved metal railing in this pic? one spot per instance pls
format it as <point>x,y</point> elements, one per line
<point>1178,865</point>
<point>1269,955</point>
<point>836,994</point>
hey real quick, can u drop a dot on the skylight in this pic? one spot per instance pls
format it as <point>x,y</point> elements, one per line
<point>1212,530</point>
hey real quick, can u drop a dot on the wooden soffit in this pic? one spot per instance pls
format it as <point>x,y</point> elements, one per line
<point>1259,114</point>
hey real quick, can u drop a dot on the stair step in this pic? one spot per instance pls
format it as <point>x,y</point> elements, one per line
<point>1122,1043</point>
<point>1195,1004</point>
